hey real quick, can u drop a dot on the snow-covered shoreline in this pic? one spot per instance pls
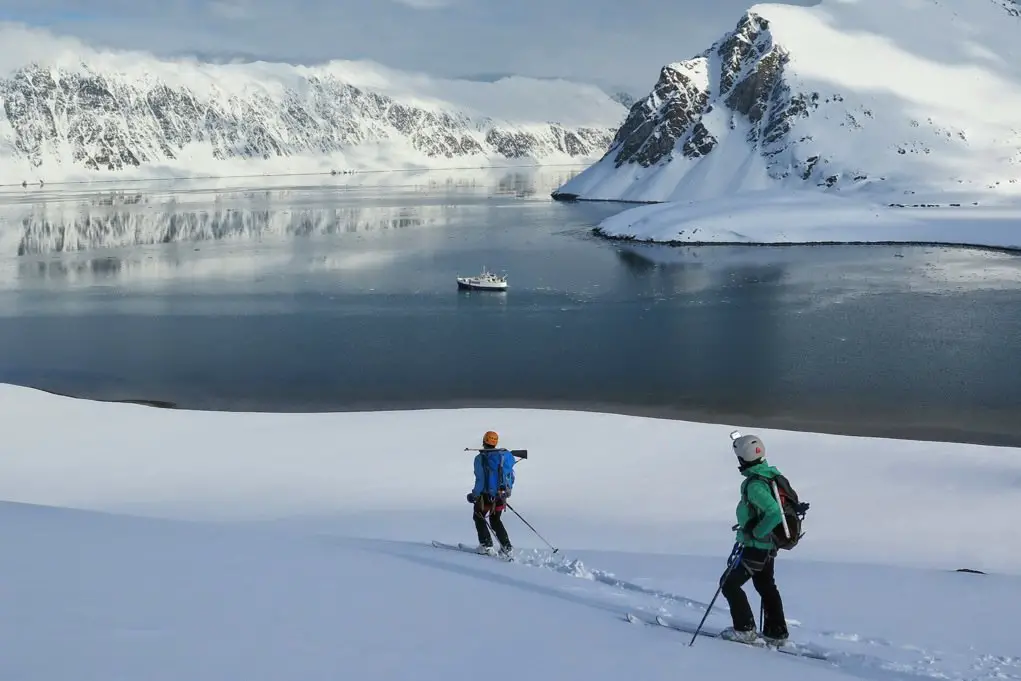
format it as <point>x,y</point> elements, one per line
<point>770,218</point>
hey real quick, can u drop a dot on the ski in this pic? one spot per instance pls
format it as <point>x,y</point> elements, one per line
<point>465,548</point>
<point>788,648</point>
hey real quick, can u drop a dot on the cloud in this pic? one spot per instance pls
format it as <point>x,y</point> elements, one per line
<point>229,10</point>
<point>604,41</point>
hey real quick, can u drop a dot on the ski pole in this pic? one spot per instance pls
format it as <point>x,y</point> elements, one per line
<point>732,562</point>
<point>532,528</point>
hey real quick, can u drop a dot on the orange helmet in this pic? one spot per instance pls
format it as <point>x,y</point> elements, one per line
<point>490,439</point>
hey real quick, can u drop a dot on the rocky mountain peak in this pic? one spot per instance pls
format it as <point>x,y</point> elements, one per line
<point>670,111</point>
<point>744,69</point>
<point>749,41</point>
<point>1013,7</point>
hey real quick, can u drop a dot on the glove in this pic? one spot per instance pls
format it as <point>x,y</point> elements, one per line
<point>471,498</point>
<point>746,532</point>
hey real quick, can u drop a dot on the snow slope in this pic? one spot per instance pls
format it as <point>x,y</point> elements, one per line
<point>883,97</point>
<point>262,546</point>
<point>291,546</point>
<point>71,112</point>
<point>94,597</point>
<point>806,217</point>
<point>341,467</point>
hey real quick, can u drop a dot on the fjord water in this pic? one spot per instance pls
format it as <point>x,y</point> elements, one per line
<point>339,294</point>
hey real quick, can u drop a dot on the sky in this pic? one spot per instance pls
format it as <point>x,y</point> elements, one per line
<point>613,43</point>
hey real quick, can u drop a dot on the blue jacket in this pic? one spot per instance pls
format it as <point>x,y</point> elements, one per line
<point>487,470</point>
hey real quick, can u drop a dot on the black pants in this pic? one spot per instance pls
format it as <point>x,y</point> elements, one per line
<point>757,565</point>
<point>495,509</point>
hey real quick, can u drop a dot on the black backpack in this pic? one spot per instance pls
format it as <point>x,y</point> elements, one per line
<point>793,510</point>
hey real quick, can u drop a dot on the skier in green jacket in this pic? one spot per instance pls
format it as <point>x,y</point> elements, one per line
<point>758,514</point>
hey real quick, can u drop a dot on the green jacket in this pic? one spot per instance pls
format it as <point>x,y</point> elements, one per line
<point>758,502</point>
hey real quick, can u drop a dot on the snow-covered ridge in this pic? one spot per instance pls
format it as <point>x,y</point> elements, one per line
<point>889,97</point>
<point>1013,7</point>
<point>68,111</point>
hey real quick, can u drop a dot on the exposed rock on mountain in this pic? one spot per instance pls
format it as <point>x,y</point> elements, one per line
<point>101,113</point>
<point>839,96</point>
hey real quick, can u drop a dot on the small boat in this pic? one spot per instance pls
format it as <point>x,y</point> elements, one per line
<point>487,281</point>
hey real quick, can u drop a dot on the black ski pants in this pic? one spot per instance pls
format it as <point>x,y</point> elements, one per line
<point>486,505</point>
<point>757,565</point>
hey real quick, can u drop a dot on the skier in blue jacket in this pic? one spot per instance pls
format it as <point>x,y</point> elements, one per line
<point>494,480</point>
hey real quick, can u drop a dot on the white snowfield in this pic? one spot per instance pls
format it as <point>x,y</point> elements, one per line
<point>143,543</point>
<point>809,217</point>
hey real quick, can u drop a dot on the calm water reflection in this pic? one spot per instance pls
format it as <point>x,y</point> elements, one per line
<point>340,298</point>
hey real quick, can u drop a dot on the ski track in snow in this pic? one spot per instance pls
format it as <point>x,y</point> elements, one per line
<point>926,663</point>
<point>164,544</point>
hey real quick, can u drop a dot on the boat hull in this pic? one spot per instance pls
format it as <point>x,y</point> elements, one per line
<point>468,285</point>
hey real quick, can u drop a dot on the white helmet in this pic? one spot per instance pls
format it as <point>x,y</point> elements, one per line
<point>748,448</point>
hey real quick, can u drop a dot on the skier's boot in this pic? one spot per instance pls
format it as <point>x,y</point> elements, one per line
<point>774,641</point>
<point>486,549</point>
<point>505,550</point>
<point>731,634</point>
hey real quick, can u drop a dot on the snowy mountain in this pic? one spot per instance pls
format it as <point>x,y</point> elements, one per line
<point>70,111</point>
<point>163,544</point>
<point>882,96</point>
<point>1013,7</point>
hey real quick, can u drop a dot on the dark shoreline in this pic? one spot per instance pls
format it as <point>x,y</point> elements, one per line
<point>598,231</point>
<point>891,427</point>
